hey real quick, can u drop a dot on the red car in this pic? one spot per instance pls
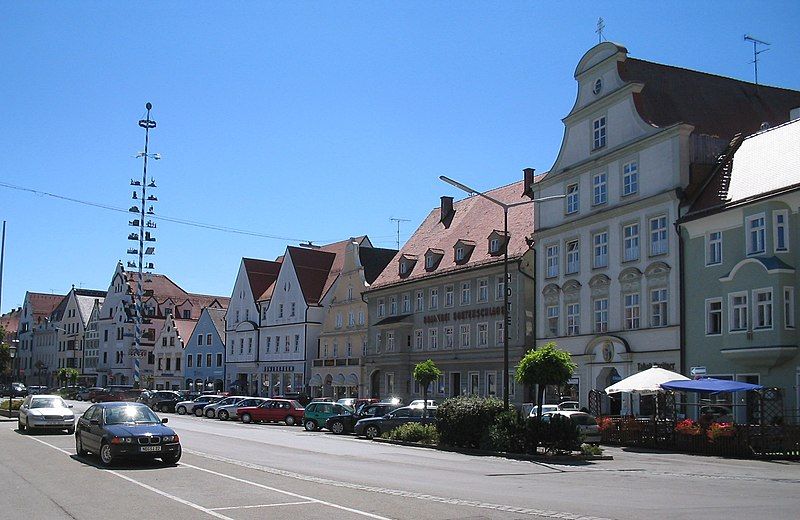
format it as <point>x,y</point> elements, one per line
<point>274,410</point>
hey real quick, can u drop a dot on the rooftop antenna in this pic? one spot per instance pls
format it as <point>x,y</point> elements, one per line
<point>756,52</point>
<point>399,220</point>
<point>601,24</point>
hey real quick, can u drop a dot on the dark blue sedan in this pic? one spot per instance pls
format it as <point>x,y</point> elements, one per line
<point>125,430</point>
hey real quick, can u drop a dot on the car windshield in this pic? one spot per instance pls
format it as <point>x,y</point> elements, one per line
<point>48,402</point>
<point>583,420</point>
<point>130,414</point>
<point>296,404</point>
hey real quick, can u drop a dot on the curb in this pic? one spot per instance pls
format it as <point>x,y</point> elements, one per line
<point>513,456</point>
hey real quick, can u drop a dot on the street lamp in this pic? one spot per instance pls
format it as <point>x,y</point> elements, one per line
<point>506,302</point>
<point>12,353</point>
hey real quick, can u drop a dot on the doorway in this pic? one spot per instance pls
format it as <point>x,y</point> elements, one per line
<point>455,384</point>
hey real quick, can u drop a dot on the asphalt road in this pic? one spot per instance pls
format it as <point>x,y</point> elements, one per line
<point>236,471</point>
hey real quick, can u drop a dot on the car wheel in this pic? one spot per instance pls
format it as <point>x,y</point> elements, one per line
<point>210,414</point>
<point>310,425</point>
<point>172,458</point>
<point>337,427</point>
<point>21,427</point>
<point>246,418</point>
<point>371,432</point>
<point>198,412</point>
<point>223,415</point>
<point>79,446</point>
<point>289,420</point>
<point>106,457</point>
<point>181,410</point>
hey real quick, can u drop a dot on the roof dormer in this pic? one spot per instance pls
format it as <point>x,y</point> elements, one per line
<point>433,258</point>
<point>407,263</point>
<point>498,241</point>
<point>462,251</point>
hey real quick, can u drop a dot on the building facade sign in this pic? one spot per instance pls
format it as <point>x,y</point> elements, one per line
<point>445,317</point>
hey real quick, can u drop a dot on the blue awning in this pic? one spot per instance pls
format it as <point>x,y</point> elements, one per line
<point>709,385</point>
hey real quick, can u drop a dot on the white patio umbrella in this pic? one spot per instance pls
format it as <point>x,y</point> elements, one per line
<point>645,382</point>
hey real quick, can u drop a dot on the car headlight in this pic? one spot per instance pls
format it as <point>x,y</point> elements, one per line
<point>121,440</point>
<point>170,438</point>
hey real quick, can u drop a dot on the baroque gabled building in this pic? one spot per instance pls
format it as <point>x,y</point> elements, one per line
<point>168,350</point>
<point>204,367</point>
<point>71,334</point>
<point>640,139</point>
<point>36,310</point>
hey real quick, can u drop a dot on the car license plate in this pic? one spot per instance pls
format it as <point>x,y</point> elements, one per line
<point>151,448</point>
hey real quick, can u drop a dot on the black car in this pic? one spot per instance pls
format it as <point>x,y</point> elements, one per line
<point>154,398</point>
<point>125,430</point>
<point>13,390</point>
<point>375,426</point>
<point>345,423</point>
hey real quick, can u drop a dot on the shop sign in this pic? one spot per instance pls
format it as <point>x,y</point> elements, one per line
<point>445,317</point>
<point>279,368</point>
<point>665,366</point>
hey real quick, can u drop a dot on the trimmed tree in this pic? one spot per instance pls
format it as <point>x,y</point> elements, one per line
<point>426,373</point>
<point>547,365</point>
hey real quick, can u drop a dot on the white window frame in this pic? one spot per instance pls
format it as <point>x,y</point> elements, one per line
<point>659,307</point>
<point>419,339</point>
<point>552,319</point>
<point>483,290</point>
<point>483,334</point>
<point>632,318</point>
<point>464,336</point>
<point>381,307</point>
<point>780,228</point>
<point>499,332</point>
<point>433,303</point>
<point>788,307</point>
<point>600,314</point>
<point>390,341</point>
<point>466,293</point>
<point>630,178</point>
<point>433,339</point>
<point>740,310</point>
<point>599,127</point>
<point>658,235</point>
<point>758,233</point>
<point>494,245</point>
<point>449,296</point>
<point>765,306</point>
<point>572,266</point>
<point>490,378</point>
<point>573,314</point>
<point>449,337</point>
<point>406,303</point>
<point>600,249</point>
<point>474,379</point>
<point>393,306</point>
<point>573,199</point>
<point>631,242</point>
<point>420,301</point>
<point>551,255</point>
<point>709,312</point>
<point>713,248</point>
<point>599,188</point>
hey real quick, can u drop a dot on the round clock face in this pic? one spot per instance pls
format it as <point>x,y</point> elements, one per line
<point>598,86</point>
<point>608,351</point>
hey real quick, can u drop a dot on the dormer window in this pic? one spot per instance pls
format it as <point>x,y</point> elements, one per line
<point>407,264</point>
<point>433,258</point>
<point>497,242</point>
<point>463,251</point>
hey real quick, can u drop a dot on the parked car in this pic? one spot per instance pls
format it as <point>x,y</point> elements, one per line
<point>587,424</point>
<point>125,430</point>
<point>375,426</point>
<point>13,390</point>
<point>316,414</point>
<point>153,397</point>
<point>48,412</point>
<point>167,403</point>
<point>569,405</point>
<point>717,412</point>
<point>420,403</point>
<point>210,410</point>
<point>345,423</point>
<point>230,411</point>
<point>532,409</point>
<point>273,410</point>
<point>69,392</point>
<point>85,394</point>
<point>185,407</point>
<point>116,393</point>
<point>37,390</point>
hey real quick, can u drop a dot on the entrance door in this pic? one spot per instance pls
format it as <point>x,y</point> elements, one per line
<point>455,384</point>
<point>375,385</point>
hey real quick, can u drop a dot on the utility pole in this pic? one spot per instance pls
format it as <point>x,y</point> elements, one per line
<point>601,24</point>
<point>756,42</point>
<point>399,220</point>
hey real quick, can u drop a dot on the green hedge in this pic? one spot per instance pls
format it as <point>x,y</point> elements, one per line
<point>414,432</point>
<point>465,421</point>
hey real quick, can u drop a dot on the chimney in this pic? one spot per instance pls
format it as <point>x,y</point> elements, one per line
<point>447,211</point>
<point>527,175</point>
<point>794,114</point>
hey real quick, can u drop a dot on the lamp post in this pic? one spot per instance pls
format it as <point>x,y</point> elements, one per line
<point>12,353</point>
<point>506,289</point>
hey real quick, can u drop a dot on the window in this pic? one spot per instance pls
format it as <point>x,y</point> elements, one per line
<point>434,299</point>
<point>631,242</point>
<point>466,293</point>
<point>419,339</point>
<point>335,349</point>
<point>737,303</point>
<point>573,201</point>
<point>364,347</point>
<point>268,343</point>
<point>199,339</point>
<point>339,320</point>
<point>491,384</point>
<point>168,366</point>
<point>448,337</point>
<point>360,317</point>
<point>189,361</point>
<point>297,342</point>
<point>247,315</point>
<point>573,257</point>
<point>199,360</point>
<point>598,86</point>
<point>499,288</point>
<point>351,318</point>
<point>658,307</point>
<point>390,341</point>
<point>349,293</point>
<point>630,178</point>
<point>714,248</point>
<point>474,383</point>
<point>599,189</point>
<point>292,309</point>
<point>483,334</point>
<point>249,345</point>
<point>713,317</point>
<point>632,311</point>
<point>464,332</point>
<point>762,312</point>
<point>219,360</point>
<point>393,305</point>
<point>599,133</point>
<point>429,261</point>
<point>448,296</point>
<point>406,303</point>
<point>459,254</point>
<point>483,290</point>
<point>494,245</point>
<point>381,308</point>
<point>389,384</point>
<point>601,315</point>
<point>499,332</point>
<point>780,231</point>
<point>325,350</point>
<point>172,341</point>
<point>420,299</point>
<point>433,339</point>
<point>280,310</point>
<point>788,307</point>
<point>551,254</point>
<point>286,343</point>
<point>208,339</point>
<point>208,360</point>
<point>277,343</point>
<point>755,235</point>
<point>658,235</point>
<point>163,339</point>
<point>403,267</point>
<point>600,250</point>
<point>573,319</point>
<point>552,319</point>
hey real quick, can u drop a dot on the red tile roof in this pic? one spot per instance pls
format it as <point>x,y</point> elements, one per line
<point>42,304</point>
<point>475,219</point>
<point>262,275</point>
<point>715,105</point>
<point>160,285</point>
<point>313,268</point>
<point>10,321</point>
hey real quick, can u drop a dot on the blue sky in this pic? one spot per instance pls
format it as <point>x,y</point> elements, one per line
<point>304,120</point>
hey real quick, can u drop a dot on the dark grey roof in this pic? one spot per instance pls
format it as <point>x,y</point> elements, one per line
<point>374,260</point>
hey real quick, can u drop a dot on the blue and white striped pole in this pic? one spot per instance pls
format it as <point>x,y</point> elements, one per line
<point>136,372</point>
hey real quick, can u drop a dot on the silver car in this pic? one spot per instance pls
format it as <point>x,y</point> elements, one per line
<point>229,412</point>
<point>210,410</point>
<point>46,412</point>
<point>587,424</point>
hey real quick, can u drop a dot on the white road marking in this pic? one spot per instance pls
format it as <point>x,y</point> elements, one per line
<point>263,505</point>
